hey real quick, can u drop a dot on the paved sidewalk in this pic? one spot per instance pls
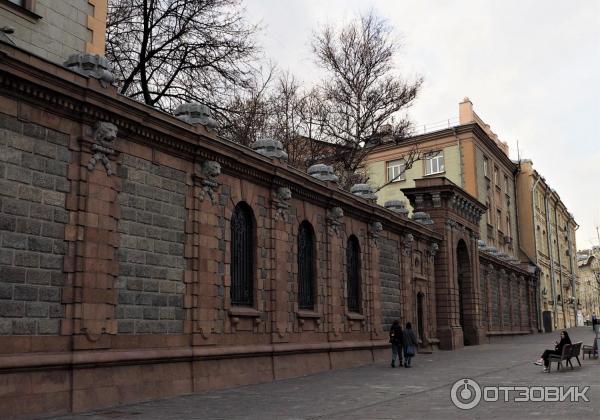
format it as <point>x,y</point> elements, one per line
<point>377,391</point>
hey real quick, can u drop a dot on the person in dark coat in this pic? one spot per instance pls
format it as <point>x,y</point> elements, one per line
<point>396,340</point>
<point>409,342</point>
<point>564,340</point>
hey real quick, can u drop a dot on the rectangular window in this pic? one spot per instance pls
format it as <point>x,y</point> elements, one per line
<point>395,170</point>
<point>508,230</point>
<point>495,175</point>
<point>505,184</point>
<point>434,163</point>
<point>486,169</point>
<point>499,220</point>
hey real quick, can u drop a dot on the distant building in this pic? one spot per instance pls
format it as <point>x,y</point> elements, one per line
<point>55,29</point>
<point>472,157</point>
<point>547,237</point>
<point>588,264</point>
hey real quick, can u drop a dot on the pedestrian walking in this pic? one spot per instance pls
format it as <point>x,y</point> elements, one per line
<point>396,341</point>
<point>409,342</point>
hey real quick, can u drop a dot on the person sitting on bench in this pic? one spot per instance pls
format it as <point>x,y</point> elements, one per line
<point>564,340</point>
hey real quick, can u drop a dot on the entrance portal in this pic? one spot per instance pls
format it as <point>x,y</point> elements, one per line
<point>464,280</point>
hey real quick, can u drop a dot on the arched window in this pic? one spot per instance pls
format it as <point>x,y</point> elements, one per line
<point>353,273</point>
<point>306,266</point>
<point>242,255</point>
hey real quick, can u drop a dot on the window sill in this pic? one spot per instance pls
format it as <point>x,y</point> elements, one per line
<point>304,313</point>
<point>355,316</point>
<point>20,11</point>
<point>435,174</point>
<point>246,312</point>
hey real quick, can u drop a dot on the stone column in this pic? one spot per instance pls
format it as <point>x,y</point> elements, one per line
<point>93,268</point>
<point>282,264</point>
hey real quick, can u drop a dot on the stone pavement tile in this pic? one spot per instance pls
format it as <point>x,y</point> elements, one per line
<point>378,392</point>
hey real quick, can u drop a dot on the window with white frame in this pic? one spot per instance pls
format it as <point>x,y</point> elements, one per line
<point>486,168</point>
<point>434,163</point>
<point>395,170</point>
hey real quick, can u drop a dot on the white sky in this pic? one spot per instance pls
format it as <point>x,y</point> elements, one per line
<point>531,68</point>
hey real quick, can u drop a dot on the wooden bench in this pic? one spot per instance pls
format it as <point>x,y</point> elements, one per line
<point>568,352</point>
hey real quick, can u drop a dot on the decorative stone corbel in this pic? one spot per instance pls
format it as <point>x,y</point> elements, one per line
<point>436,198</point>
<point>209,171</point>
<point>432,250</point>
<point>334,218</point>
<point>282,202</point>
<point>375,228</point>
<point>406,243</point>
<point>105,134</point>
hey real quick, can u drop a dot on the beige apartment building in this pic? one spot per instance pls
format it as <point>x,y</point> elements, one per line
<point>470,155</point>
<point>54,29</point>
<point>588,282</point>
<point>547,237</point>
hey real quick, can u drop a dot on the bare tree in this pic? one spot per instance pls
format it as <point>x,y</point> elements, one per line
<point>247,116</point>
<point>362,92</point>
<point>166,52</point>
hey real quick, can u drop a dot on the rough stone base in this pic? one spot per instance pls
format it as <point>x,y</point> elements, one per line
<point>59,391</point>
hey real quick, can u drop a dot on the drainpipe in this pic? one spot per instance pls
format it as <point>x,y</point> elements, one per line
<point>549,242</point>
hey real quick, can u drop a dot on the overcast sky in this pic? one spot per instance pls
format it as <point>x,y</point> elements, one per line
<point>531,69</point>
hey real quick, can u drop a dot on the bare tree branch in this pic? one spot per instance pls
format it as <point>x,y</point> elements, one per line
<point>362,92</point>
<point>166,52</point>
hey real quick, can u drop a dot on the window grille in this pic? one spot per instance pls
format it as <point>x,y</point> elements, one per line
<point>242,256</point>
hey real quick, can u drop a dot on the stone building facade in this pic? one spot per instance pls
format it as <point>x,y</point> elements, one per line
<point>588,283</point>
<point>547,231</point>
<point>471,156</point>
<point>56,29</point>
<point>142,256</point>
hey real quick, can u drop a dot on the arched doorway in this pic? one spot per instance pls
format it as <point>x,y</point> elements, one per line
<point>421,316</point>
<point>465,284</point>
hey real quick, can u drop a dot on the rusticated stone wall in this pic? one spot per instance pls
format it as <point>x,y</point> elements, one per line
<point>151,254</point>
<point>33,183</point>
<point>390,280</point>
<point>115,268</point>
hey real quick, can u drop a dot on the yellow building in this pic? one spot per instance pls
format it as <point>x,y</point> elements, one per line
<point>588,282</point>
<point>55,29</point>
<point>547,237</point>
<point>471,156</point>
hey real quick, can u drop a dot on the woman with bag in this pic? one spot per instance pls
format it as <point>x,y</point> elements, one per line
<point>409,342</point>
<point>396,340</point>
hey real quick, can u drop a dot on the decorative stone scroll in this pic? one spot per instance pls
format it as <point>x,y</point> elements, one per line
<point>334,218</point>
<point>397,206</point>
<point>196,113</point>
<point>422,218</point>
<point>209,171</point>
<point>270,148</point>
<point>365,191</point>
<point>105,134</point>
<point>323,172</point>
<point>91,65</point>
<point>282,202</point>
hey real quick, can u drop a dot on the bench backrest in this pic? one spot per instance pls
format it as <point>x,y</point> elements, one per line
<point>566,351</point>
<point>576,349</point>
